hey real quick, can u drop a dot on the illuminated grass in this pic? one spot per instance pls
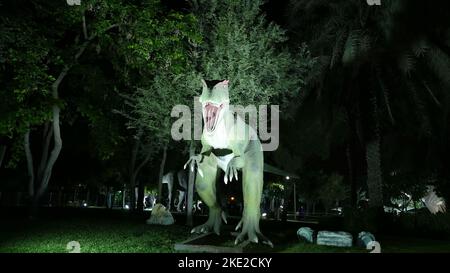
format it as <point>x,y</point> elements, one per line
<point>125,235</point>
<point>94,236</point>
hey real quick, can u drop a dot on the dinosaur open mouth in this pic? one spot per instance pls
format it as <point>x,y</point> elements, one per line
<point>211,115</point>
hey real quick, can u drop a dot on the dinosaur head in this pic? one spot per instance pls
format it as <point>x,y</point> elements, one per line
<point>215,101</point>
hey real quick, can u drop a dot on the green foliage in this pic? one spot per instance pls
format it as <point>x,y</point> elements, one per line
<point>275,190</point>
<point>151,38</point>
<point>154,103</point>
<point>152,56</point>
<point>309,185</point>
<point>25,76</point>
<point>242,46</point>
<point>357,220</point>
<point>424,224</point>
<point>333,190</point>
<point>414,184</point>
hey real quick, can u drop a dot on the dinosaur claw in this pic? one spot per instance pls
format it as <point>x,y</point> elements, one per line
<point>225,179</point>
<point>238,225</point>
<point>200,172</point>
<point>224,217</point>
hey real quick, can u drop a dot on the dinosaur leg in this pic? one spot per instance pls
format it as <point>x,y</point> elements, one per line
<point>206,188</point>
<point>180,200</point>
<point>252,185</point>
<point>170,187</point>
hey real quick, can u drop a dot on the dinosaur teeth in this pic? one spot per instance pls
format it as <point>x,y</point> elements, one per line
<point>211,115</point>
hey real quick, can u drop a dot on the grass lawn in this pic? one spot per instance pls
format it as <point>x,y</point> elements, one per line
<point>125,234</point>
<point>94,236</point>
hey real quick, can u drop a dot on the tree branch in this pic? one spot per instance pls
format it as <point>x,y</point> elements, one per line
<point>430,92</point>
<point>85,34</point>
<point>145,161</point>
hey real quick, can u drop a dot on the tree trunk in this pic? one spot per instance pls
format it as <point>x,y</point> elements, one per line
<point>134,202</point>
<point>46,138</point>
<point>87,196</point>
<point>190,188</point>
<point>48,167</point>
<point>108,198</point>
<point>2,154</point>
<point>351,178</point>
<point>287,194</point>
<point>374,175</point>
<point>140,204</point>
<point>132,170</point>
<point>43,186</point>
<point>30,168</point>
<point>60,198</point>
<point>124,196</point>
<point>161,173</point>
<point>295,201</point>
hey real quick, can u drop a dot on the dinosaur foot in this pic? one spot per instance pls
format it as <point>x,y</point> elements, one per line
<point>205,228</point>
<point>252,233</point>
<point>213,224</point>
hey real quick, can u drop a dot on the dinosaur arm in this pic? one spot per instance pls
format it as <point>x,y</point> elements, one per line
<point>206,149</point>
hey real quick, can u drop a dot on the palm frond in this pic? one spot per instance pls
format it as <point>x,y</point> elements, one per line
<point>420,108</point>
<point>420,47</point>
<point>439,63</point>
<point>406,63</point>
<point>352,47</point>
<point>430,92</point>
<point>338,47</point>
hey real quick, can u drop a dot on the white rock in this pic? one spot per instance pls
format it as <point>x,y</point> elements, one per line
<point>339,238</point>
<point>160,216</point>
<point>306,234</point>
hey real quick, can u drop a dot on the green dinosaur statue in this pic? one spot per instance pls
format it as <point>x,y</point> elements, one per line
<point>228,143</point>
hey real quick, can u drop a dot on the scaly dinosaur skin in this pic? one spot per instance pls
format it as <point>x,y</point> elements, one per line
<point>229,144</point>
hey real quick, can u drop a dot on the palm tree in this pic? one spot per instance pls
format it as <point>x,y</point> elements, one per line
<point>377,65</point>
